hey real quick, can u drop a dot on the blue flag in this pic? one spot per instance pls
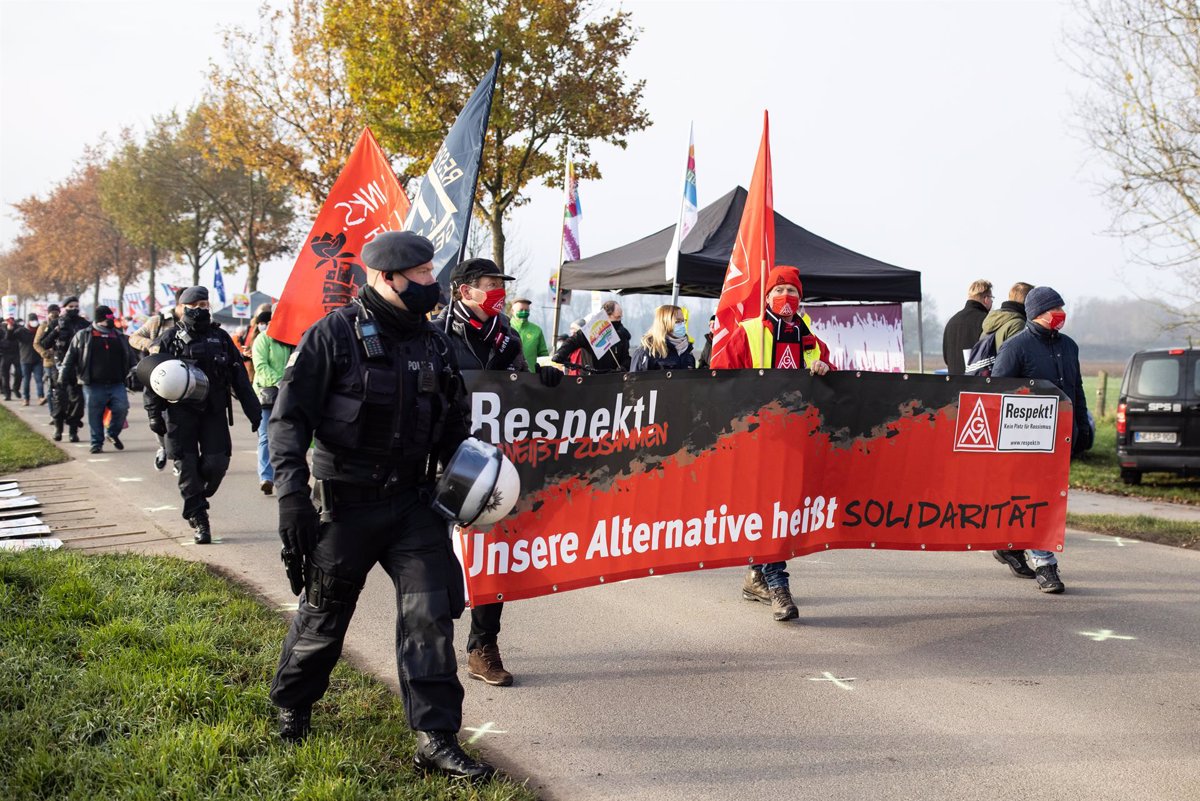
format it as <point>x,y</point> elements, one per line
<point>218,281</point>
<point>441,209</point>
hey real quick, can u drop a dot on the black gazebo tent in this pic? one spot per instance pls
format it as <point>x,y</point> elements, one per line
<point>829,271</point>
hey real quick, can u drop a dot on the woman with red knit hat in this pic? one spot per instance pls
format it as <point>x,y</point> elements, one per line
<point>783,340</point>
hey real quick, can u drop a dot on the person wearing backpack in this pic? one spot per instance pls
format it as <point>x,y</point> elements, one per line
<point>999,325</point>
<point>1008,320</point>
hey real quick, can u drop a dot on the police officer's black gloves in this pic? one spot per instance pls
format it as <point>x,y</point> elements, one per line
<point>158,425</point>
<point>254,425</point>
<point>550,376</point>
<point>298,523</point>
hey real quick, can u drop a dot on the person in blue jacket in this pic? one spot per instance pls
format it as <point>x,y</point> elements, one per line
<point>1043,351</point>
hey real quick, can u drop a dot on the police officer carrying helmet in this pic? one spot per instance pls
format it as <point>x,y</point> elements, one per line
<point>378,387</point>
<point>483,340</point>
<point>195,428</point>
<point>66,397</point>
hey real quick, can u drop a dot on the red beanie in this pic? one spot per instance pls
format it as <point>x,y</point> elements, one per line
<point>781,274</point>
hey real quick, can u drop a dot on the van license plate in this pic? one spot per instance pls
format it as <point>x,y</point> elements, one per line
<point>1166,437</point>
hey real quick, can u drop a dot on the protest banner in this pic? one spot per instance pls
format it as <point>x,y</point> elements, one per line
<point>861,336</point>
<point>653,473</point>
<point>241,305</point>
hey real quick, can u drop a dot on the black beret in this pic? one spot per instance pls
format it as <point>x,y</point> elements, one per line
<point>395,251</point>
<point>467,271</point>
<point>53,307</point>
<point>102,313</point>
<point>193,294</point>
<point>70,300</point>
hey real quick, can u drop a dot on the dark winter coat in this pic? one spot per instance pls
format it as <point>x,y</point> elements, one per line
<point>643,360</point>
<point>1039,352</point>
<point>962,332</point>
<point>615,361</point>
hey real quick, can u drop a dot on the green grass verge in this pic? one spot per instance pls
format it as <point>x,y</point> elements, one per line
<point>21,447</point>
<point>1181,533</point>
<point>135,677</point>
<point>1098,471</point>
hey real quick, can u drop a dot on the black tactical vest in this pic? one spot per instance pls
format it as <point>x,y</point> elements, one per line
<point>207,351</point>
<point>387,412</point>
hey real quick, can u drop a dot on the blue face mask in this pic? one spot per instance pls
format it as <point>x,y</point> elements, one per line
<point>680,330</point>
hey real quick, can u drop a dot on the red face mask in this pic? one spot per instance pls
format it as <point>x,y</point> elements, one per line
<point>783,305</point>
<point>1057,320</point>
<point>493,302</point>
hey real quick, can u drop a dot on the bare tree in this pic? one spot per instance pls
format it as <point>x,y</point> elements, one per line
<point>1142,115</point>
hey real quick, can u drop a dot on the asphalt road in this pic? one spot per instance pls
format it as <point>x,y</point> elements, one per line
<point>908,676</point>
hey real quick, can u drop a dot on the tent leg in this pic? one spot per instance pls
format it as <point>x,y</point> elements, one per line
<point>920,338</point>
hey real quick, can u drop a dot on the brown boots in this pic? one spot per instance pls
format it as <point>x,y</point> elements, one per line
<point>485,664</point>
<point>754,588</point>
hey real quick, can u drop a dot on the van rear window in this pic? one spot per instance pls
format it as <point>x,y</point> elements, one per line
<point>1159,378</point>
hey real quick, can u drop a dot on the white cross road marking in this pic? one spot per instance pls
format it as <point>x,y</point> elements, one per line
<point>1106,634</point>
<point>1120,542</point>
<point>123,479</point>
<point>487,728</point>
<point>158,508</point>
<point>827,676</point>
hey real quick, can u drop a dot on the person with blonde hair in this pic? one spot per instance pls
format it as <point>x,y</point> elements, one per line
<point>665,346</point>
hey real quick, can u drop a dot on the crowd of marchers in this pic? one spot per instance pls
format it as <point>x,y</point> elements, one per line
<point>355,421</point>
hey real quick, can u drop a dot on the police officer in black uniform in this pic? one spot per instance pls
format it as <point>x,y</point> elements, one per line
<point>196,432</point>
<point>378,387</point>
<point>66,397</point>
<point>484,340</point>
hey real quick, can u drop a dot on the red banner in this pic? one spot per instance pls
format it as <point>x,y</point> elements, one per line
<point>365,201</point>
<point>646,474</point>
<point>753,255</point>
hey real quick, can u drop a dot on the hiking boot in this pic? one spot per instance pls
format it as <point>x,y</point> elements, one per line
<point>439,751</point>
<point>1016,563</point>
<point>58,431</point>
<point>74,437</point>
<point>294,724</point>
<point>486,665</point>
<point>97,449</point>
<point>754,586</point>
<point>267,486</point>
<point>25,402</point>
<point>116,441</point>
<point>160,459</point>
<point>42,401</point>
<point>782,605</point>
<point>203,535</point>
<point>1048,580</point>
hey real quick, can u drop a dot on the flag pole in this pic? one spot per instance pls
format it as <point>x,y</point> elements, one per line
<point>679,222</point>
<point>562,235</point>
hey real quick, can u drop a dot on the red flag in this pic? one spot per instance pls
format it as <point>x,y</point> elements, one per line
<point>365,201</point>
<point>753,254</point>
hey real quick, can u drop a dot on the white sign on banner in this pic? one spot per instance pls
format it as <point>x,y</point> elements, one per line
<point>600,333</point>
<point>9,306</point>
<point>241,305</point>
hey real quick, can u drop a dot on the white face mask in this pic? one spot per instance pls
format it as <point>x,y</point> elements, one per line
<point>262,327</point>
<point>680,330</point>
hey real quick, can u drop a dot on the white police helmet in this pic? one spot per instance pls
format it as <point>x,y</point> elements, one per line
<point>176,380</point>
<point>479,487</point>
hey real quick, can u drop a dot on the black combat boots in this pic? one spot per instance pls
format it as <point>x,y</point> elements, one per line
<point>294,724</point>
<point>199,521</point>
<point>439,751</point>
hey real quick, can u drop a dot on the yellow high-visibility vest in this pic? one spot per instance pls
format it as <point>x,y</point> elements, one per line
<point>767,343</point>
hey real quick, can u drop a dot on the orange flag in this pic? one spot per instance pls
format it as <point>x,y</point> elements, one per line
<point>365,201</point>
<point>753,254</point>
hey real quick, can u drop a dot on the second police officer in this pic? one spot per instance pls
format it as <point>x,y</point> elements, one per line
<point>378,388</point>
<point>196,431</point>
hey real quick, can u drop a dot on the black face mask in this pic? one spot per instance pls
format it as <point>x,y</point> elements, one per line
<point>421,298</point>
<point>71,314</point>
<point>197,319</point>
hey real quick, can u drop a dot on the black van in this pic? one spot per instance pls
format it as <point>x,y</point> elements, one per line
<point>1158,415</point>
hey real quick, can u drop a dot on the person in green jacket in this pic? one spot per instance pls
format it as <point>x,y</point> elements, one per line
<point>533,341</point>
<point>1008,320</point>
<point>270,360</point>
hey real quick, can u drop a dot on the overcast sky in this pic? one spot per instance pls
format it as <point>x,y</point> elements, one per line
<point>934,136</point>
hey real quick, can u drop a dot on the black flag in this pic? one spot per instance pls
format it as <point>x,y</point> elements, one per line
<point>441,209</point>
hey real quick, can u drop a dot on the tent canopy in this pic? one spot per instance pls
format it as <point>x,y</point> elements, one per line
<point>225,315</point>
<point>828,270</point>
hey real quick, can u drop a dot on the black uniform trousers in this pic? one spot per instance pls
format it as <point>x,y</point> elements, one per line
<point>404,535</point>
<point>485,625</point>
<point>8,364</point>
<point>66,402</point>
<point>198,442</point>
